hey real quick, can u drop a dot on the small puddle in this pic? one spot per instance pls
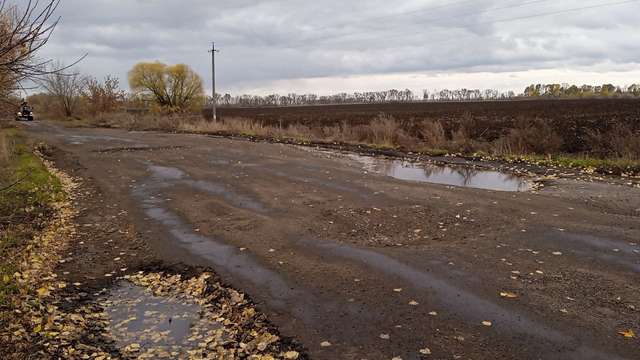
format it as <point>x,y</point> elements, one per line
<point>152,325</point>
<point>463,176</point>
<point>165,174</point>
<point>317,181</point>
<point>595,248</point>
<point>82,139</point>
<point>221,255</point>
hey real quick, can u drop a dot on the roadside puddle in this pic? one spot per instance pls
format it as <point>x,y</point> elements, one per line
<point>463,176</point>
<point>154,327</point>
<point>164,316</point>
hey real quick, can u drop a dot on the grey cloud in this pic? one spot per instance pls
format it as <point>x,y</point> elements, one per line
<point>289,39</point>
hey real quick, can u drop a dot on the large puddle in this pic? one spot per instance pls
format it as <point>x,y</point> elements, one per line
<point>156,327</point>
<point>448,175</point>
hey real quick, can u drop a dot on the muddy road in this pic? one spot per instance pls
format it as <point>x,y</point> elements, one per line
<point>358,259</point>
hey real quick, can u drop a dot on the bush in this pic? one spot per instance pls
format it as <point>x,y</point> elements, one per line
<point>529,136</point>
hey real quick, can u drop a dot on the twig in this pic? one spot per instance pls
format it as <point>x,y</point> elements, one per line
<point>15,183</point>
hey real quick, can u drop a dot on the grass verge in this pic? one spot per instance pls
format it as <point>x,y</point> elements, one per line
<point>27,194</point>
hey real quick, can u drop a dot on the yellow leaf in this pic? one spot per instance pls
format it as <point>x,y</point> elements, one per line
<point>6,279</point>
<point>629,334</point>
<point>43,292</point>
<point>508,295</point>
<point>37,329</point>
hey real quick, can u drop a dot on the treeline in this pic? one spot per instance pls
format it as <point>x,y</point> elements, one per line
<point>370,97</point>
<point>399,96</point>
<point>584,91</point>
<point>75,95</point>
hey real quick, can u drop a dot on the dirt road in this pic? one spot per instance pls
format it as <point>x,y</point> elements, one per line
<point>358,265</point>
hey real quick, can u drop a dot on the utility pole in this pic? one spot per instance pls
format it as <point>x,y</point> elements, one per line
<point>213,52</point>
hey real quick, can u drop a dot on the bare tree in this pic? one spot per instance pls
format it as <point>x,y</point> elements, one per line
<point>105,96</point>
<point>66,89</point>
<point>25,28</point>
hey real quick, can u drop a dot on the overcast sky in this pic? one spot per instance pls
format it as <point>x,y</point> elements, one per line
<point>326,46</point>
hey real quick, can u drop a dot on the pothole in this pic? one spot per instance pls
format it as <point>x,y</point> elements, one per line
<point>157,327</point>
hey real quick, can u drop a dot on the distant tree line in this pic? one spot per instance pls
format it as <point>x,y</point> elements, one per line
<point>370,97</point>
<point>584,91</point>
<point>444,95</point>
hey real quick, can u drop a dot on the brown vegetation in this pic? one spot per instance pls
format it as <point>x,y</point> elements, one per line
<point>599,128</point>
<point>527,137</point>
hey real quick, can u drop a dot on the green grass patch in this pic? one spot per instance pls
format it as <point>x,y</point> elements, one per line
<point>28,192</point>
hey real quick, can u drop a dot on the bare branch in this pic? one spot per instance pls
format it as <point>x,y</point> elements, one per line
<point>24,30</point>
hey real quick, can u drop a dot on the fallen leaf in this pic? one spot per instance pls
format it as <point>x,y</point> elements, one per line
<point>425,351</point>
<point>433,313</point>
<point>508,295</point>
<point>397,290</point>
<point>487,323</point>
<point>629,334</point>
<point>385,336</point>
<point>43,292</point>
<point>325,344</point>
<point>414,303</point>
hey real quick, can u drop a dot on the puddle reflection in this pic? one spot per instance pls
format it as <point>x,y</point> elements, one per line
<point>447,175</point>
<point>155,325</point>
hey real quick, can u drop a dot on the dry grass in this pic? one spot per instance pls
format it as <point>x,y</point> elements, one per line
<point>619,141</point>
<point>5,149</point>
<point>529,137</point>
<point>526,137</point>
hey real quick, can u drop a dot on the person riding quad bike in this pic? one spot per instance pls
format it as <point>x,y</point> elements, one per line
<point>25,112</point>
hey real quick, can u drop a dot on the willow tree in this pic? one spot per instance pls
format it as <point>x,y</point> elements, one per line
<point>174,87</point>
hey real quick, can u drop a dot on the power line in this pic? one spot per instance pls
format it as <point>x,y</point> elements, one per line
<point>565,11</point>
<point>511,19</point>
<point>389,16</point>
<point>422,10</point>
<point>437,20</point>
<point>491,9</point>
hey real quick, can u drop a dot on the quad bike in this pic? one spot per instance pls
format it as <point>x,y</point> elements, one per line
<point>25,114</point>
